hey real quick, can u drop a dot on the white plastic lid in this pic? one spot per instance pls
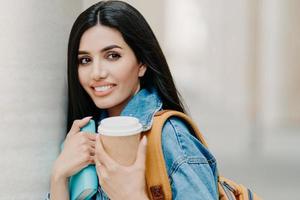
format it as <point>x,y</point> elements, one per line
<point>120,126</point>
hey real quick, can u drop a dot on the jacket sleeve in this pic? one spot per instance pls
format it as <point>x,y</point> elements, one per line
<point>191,167</point>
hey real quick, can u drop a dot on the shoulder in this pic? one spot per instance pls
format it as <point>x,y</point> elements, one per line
<point>191,168</point>
<point>181,146</point>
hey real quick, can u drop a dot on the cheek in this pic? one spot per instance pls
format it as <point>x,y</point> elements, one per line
<point>129,76</point>
<point>82,76</point>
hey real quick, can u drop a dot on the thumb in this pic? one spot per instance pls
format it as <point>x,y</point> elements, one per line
<point>78,124</point>
<point>141,154</point>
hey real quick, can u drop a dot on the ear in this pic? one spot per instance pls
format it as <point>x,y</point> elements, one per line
<point>142,70</point>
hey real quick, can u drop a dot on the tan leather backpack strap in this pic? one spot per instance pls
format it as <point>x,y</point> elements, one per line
<point>171,113</point>
<point>158,185</point>
<point>157,179</point>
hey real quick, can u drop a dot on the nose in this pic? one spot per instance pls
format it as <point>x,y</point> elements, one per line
<point>98,71</point>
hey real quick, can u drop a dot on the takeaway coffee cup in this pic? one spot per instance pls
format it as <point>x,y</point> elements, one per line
<point>120,137</point>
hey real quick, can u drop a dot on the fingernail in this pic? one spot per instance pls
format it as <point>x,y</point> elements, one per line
<point>89,117</point>
<point>144,140</point>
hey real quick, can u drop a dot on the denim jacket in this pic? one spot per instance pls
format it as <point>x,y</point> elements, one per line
<point>191,168</point>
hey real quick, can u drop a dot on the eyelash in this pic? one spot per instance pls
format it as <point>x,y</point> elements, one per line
<point>111,56</point>
<point>80,60</point>
<point>115,56</point>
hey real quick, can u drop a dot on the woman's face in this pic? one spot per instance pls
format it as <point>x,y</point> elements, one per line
<point>108,69</point>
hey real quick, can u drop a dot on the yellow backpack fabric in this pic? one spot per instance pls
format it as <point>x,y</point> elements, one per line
<point>158,186</point>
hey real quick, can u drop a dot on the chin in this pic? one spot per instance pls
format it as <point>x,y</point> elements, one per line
<point>104,105</point>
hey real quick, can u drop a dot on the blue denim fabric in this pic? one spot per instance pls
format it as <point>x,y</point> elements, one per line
<point>191,168</point>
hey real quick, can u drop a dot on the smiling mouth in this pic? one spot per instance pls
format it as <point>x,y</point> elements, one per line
<point>103,88</point>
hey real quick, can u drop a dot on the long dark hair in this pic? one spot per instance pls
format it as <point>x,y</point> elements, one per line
<point>138,35</point>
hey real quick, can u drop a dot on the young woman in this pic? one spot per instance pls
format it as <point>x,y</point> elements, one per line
<point>116,67</point>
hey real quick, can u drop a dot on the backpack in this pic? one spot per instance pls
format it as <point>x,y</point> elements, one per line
<point>158,186</point>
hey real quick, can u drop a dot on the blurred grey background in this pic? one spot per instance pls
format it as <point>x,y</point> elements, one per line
<point>236,63</point>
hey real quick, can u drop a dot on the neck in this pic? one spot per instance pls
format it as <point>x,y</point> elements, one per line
<point>116,110</point>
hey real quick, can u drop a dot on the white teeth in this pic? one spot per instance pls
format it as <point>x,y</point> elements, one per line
<point>103,88</point>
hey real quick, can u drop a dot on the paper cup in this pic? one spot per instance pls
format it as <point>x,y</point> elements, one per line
<point>120,137</point>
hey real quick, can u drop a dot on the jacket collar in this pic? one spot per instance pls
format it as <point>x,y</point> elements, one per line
<point>143,106</point>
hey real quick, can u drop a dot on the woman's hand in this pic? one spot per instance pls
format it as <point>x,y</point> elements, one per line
<point>78,151</point>
<point>118,181</point>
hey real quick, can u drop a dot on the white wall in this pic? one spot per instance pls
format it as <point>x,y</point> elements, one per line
<point>209,47</point>
<point>33,40</point>
<point>237,65</point>
<point>279,75</point>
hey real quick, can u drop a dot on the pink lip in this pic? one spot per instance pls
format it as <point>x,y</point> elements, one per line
<point>102,93</point>
<point>102,83</point>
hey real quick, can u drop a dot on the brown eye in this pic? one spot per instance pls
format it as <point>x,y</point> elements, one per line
<point>84,60</point>
<point>113,56</point>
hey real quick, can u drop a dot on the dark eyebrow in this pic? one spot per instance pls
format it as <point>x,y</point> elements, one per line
<point>110,47</point>
<point>102,50</point>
